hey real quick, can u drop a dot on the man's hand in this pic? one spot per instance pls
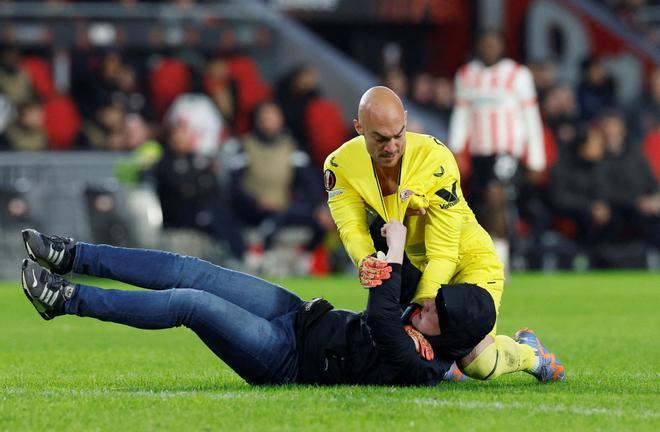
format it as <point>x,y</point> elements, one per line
<point>422,346</point>
<point>395,234</point>
<point>373,272</point>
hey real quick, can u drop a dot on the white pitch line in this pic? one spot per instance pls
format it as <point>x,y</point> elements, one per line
<point>252,395</point>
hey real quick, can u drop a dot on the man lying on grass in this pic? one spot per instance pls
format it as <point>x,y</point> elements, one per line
<point>265,333</point>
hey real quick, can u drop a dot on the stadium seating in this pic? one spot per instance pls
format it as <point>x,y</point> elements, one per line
<point>324,127</point>
<point>168,79</point>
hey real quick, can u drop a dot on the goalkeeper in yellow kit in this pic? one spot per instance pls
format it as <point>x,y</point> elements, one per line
<point>390,173</point>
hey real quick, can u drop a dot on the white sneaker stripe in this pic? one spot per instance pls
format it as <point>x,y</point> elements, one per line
<point>48,295</point>
<point>60,255</point>
<point>43,295</point>
<point>51,252</point>
<point>53,298</point>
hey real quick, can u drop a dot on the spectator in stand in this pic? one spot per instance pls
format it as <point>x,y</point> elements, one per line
<point>648,113</point>
<point>596,89</point>
<point>443,101</point>
<point>422,91</point>
<point>27,133</point>
<point>633,189</point>
<point>561,115</point>
<point>545,77</point>
<point>397,80</point>
<point>497,114</point>
<point>104,131</point>
<point>579,187</point>
<point>273,183</point>
<point>189,191</point>
<point>15,84</point>
<point>294,92</point>
<point>220,87</point>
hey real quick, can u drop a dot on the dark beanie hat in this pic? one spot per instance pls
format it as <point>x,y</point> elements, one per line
<point>466,314</point>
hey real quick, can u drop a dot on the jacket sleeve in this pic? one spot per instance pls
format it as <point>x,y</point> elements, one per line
<point>442,232</point>
<point>349,213</point>
<point>459,122</point>
<point>530,108</point>
<point>395,348</point>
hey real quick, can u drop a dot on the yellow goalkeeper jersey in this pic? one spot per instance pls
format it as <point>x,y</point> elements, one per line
<point>447,244</point>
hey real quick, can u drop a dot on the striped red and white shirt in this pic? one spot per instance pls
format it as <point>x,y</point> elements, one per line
<point>497,112</point>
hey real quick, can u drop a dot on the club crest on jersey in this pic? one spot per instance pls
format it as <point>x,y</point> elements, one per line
<point>329,180</point>
<point>405,194</point>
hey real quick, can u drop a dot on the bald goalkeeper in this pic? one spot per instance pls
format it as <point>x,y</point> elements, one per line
<point>388,173</point>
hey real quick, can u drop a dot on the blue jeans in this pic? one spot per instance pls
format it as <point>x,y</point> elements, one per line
<point>244,320</point>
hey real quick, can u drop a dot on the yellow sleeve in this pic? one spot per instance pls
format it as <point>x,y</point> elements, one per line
<point>442,233</point>
<point>349,213</point>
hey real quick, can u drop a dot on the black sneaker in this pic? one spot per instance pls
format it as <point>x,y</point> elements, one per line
<point>46,291</point>
<point>54,252</point>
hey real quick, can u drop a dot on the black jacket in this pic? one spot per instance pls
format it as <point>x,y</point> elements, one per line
<point>371,347</point>
<point>578,183</point>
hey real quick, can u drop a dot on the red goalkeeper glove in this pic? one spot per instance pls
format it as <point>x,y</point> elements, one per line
<point>421,344</point>
<point>373,272</point>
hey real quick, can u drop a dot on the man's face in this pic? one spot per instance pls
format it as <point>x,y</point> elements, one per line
<point>426,320</point>
<point>385,137</point>
<point>490,48</point>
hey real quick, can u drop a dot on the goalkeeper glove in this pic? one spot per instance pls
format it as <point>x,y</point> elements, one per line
<point>422,346</point>
<point>373,271</point>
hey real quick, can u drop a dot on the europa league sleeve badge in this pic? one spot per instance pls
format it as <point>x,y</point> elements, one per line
<point>329,180</point>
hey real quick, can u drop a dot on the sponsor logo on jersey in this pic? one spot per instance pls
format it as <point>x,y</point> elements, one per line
<point>450,196</point>
<point>329,180</point>
<point>334,193</point>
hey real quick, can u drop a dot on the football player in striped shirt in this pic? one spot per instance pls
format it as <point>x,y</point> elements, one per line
<point>497,119</point>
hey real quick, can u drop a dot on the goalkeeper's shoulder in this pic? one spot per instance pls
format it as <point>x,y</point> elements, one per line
<point>429,151</point>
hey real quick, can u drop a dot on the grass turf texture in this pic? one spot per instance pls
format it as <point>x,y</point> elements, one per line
<point>80,374</point>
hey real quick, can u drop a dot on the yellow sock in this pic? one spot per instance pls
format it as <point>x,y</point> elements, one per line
<point>501,357</point>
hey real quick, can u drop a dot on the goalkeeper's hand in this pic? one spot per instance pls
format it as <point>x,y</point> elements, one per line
<point>422,346</point>
<point>373,271</point>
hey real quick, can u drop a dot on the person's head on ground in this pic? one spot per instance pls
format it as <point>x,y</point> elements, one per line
<point>457,319</point>
<point>490,46</point>
<point>382,121</point>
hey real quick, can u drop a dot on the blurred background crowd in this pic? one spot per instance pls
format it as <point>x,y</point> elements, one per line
<point>233,148</point>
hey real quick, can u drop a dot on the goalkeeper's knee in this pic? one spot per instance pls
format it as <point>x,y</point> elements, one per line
<point>502,356</point>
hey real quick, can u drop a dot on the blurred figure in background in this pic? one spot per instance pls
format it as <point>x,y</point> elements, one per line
<point>596,89</point>
<point>561,115</point>
<point>27,132</point>
<point>397,80</point>
<point>189,191</point>
<point>219,85</point>
<point>633,189</point>
<point>272,182</point>
<point>648,108</point>
<point>422,91</point>
<point>443,101</point>
<point>579,187</point>
<point>294,92</point>
<point>15,84</point>
<point>545,77</point>
<point>105,131</point>
<point>497,118</point>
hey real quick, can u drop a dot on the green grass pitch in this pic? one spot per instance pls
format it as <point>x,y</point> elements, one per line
<point>80,374</point>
